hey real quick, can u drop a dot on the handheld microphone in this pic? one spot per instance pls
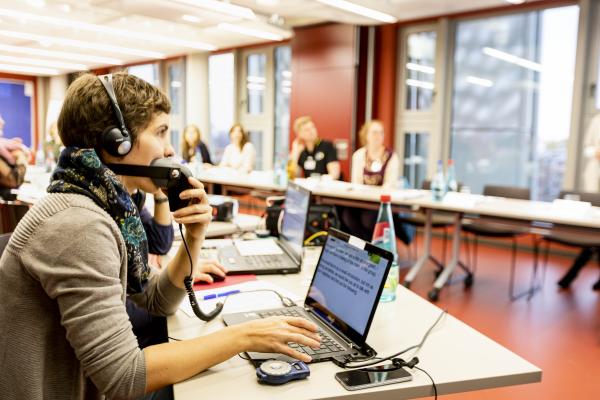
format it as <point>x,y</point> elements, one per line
<point>169,175</point>
<point>165,173</point>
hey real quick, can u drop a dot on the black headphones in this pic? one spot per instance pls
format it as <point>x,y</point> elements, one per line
<point>116,140</point>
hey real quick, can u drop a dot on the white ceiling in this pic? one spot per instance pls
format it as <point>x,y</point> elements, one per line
<point>127,31</point>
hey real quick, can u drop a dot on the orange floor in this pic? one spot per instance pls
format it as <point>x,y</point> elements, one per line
<point>559,331</point>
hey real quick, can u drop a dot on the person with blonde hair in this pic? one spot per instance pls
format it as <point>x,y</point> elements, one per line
<point>240,154</point>
<point>372,164</point>
<point>193,145</point>
<point>310,155</point>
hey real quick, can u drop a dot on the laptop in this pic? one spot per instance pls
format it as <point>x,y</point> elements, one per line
<point>268,256</point>
<point>341,300</point>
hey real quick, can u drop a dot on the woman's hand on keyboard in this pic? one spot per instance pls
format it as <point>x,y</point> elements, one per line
<point>272,335</point>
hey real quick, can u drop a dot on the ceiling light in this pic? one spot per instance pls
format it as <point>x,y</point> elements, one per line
<point>60,54</point>
<point>190,18</point>
<point>43,63</point>
<point>250,32</point>
<point>515,1</point>
<point>65,7</point>
<point>82,44</point>
<point>479,81</point>
<point>37,3</point>
<point>360,10</point>
<point>522,62</point>
<point>122,33</point>
<point>420,68</point>
<point>28,70</point>
<point>221,7</point>
<point>420,84</point>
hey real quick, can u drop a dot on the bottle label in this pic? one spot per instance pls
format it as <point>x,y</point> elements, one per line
<point>381,232</point>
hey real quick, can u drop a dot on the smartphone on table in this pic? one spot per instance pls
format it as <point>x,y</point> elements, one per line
<point>372,376</point>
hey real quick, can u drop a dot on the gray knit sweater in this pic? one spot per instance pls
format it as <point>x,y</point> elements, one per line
<point>64,331</point>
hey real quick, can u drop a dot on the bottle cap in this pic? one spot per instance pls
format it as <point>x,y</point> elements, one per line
<point>386,198</point>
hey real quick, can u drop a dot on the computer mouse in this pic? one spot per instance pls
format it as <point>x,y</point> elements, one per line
<point>216,278</point>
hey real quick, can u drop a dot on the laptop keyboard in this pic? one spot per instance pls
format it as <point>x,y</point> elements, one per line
<point>265,261</point>
<point>328,344</point>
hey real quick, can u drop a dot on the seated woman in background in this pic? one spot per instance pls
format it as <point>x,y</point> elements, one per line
<point>240,153</point>
<point>311,155</point>
<point>373,164</point>
<point>193,146</point>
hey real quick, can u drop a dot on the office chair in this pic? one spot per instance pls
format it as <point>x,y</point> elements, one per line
<point>496,230</point>
<point>569,239</point>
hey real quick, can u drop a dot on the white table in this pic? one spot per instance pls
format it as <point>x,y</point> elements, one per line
<point>542,217</point>
<point>458,357</point>
<point>231,179</point>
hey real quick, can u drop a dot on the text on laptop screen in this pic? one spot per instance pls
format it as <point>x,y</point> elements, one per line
<point>294,218</point>
<point>347,281</point>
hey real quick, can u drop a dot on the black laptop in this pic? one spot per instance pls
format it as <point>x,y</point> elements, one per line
<point>342,299</point>
<point>288,246</point>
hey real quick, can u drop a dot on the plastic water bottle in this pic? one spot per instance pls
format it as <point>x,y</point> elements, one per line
<point>40,158</point>
<point>438,185</point>
<point>384,237</point>
<point>451,183</point>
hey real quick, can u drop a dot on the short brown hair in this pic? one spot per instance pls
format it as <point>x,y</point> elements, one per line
<point>87,112</point>
<point>301,121</point>
<point>244,134</point>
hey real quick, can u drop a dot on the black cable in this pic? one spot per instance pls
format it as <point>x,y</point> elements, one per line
<point>416,346</point>
<point>175,339</point>
<point>432,381</point>
<point>188,282</point>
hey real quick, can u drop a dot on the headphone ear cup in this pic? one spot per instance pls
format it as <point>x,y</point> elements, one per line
<point>115,142</point>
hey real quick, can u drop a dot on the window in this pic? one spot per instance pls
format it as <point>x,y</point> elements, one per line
<point>416,145</point>
<point>221,101</point>
<point>511,106</point>
<point>256,83</point>
<point>176,90</point>
<point>283,90</point>
<point>148,72</point>
<point>420,70</point>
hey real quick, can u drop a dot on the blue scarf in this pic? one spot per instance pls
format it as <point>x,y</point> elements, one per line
<point>80,171</point>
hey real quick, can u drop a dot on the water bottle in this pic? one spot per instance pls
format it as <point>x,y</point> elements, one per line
<point>451,183</point>
<point>40,158</point>
<point>384,237</point>
<point>438,185</point>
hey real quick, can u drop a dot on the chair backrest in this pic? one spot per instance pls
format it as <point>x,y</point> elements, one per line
<point>4,238</point>
<point>590,197</point>
<point>511,192</point>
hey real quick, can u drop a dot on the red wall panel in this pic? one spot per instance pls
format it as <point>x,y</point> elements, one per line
<point>324,80</point>
<point>384,82</point>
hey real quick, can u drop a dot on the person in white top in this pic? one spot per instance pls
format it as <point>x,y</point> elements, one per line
<point>373,164</point>
<point>240,153</point>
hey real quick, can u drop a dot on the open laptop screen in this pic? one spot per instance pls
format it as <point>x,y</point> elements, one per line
<point>294,217</point>
<point>347,284</point>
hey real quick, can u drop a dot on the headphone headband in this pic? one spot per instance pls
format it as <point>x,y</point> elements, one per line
<point>115,140</point>
<point>107,82</point>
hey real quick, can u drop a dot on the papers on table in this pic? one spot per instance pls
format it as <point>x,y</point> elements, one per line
<point>261,247</point>
<point>240,301</point>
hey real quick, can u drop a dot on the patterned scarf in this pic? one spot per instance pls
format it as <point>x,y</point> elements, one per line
<point>81,171</point>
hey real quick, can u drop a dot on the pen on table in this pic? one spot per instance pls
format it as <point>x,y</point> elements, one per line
<point>215,295</point>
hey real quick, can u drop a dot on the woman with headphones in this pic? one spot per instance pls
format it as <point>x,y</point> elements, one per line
<point>80,252</point>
